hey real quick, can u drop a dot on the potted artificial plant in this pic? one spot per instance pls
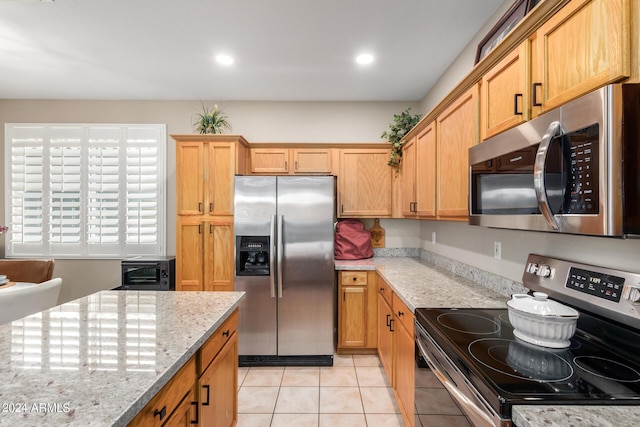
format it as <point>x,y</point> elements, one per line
<point>402,123</point>
<point>211,121</point>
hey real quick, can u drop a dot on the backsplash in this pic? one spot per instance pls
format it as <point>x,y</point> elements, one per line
<point>491,281</point>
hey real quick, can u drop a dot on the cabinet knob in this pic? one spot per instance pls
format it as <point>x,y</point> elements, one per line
<point>354,278</point>
<point>160,413</point>
<point>381,289</point>
<point>400,313</point>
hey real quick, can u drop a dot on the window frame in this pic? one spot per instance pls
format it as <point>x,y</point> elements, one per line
<point>129,138</point>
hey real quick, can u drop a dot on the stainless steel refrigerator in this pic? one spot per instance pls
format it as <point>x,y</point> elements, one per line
<point>284,261</point>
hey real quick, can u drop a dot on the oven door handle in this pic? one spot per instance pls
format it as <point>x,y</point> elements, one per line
<point>539,169</point>
<point>477,416</point>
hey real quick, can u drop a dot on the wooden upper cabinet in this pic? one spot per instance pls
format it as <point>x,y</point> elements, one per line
<point>408,170</point>
<point>269,160</point>
<point>585,45</point>
<point>205,168</point>
<point>283,160</point>
<point>456,132</point>
<point>312,160</point>
<point>504,95</point>
<point>190,177</point>
<point>426,172</point>
<point>364,183</point>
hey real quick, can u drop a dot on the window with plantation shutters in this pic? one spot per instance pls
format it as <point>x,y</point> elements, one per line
<point>85,190</point>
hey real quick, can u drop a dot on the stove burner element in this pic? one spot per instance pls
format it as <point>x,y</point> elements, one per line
<point>520,360</point>
<point>469,323</point>
<point>607,369</point>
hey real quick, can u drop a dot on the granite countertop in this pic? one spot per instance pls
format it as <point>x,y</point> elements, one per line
<point>575,416</point>
<point>419,284</point>
<point>100,359</point>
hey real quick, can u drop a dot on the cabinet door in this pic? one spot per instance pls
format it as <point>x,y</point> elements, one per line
<point>408,170</point>
<point>365,183</point>
<point>353,316</point>
<point>585,45</point>
<point>312,160</point>
<point>218,388</point>
<point>426,172</point>
<point>457,131</point>
<point>504,99</point>
<point>385,336</point>
<point>189,259</point>
<point>269,160</point>
<point>405,371</point>
<point>219,178</point>
<point>185,414</point>
<point>189,178</point>
<point>218,255</point>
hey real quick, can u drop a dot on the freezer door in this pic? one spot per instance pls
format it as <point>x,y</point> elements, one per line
<point>306,207</point>
<point>255,209</point>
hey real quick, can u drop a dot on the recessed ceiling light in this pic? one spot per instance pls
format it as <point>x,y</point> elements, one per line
<point>364,59</point>
<point>224,59</point>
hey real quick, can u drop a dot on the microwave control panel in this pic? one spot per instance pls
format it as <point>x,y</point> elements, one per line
<point>584,170</point>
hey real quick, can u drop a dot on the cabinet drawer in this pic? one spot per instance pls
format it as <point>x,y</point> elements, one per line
<point>214,344</point>
<point>384,289</point>
<point>403,314</point>
<point>353,277</point>
<point>168,399</point>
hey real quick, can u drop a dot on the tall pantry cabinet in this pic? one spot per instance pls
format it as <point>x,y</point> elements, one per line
<point>205,170</point>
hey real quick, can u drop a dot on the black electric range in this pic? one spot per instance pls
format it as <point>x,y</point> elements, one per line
<point>476,355</point>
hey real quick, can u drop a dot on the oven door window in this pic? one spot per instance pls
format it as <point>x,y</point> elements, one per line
<point>504,185</point>
<point>141,275</point>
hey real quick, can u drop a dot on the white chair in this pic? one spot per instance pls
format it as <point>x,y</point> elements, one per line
<point>29,300</point>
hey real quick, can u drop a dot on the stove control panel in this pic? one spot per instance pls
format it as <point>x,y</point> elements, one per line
<point>597,284</point>
<point>611,293</point>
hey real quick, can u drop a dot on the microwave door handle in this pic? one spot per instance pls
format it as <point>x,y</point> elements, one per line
<point>272,254</point>
<point>539,169</point>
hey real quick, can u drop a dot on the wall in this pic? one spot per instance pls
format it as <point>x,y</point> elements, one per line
<point>256,121</point>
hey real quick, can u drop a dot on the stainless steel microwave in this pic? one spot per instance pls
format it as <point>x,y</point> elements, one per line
<point>152,274</point>
<point>574,169</point>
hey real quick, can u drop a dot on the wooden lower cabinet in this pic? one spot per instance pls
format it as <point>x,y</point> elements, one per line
<point>357,312</point>
<point>404,373</point>
<point>185,414</point>
<point>205,248</point>
<point>385,336</point>
<point>396,348</point>
<point>169,399</point>
<point>204,392</point>
<point>218,385</point>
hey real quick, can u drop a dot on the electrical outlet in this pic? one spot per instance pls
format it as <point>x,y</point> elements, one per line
<point>433,237</point>
<point>497,250</point>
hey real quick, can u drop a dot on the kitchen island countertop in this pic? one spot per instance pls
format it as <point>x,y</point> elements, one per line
<point>100,359</point>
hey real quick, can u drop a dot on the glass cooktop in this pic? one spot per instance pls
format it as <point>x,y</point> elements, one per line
<point>481,342</point>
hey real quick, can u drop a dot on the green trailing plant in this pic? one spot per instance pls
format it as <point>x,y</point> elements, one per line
<point>211,121</point>
<point>402,123</point>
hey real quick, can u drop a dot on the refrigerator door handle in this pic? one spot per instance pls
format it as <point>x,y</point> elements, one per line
<point>280,253</point>
<point>272,262</point>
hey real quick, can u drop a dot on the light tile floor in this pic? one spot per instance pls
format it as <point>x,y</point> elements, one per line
<point>354,392</point>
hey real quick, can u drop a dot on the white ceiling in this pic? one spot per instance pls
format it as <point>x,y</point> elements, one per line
<point>284,49</point>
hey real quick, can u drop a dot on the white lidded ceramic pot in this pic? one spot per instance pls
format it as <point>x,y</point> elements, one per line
<point>541,321</point>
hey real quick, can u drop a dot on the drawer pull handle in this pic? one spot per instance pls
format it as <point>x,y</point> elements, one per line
<point>391,325</point>
<point>197,420</point>
<point>199,206</point>
<point>388,321</point>
<point>225,334</point>
<point>160,413</point>
<point>210,207</point>
<point>400,313</point>
<point>381,289</point>
<point>206,387</point>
